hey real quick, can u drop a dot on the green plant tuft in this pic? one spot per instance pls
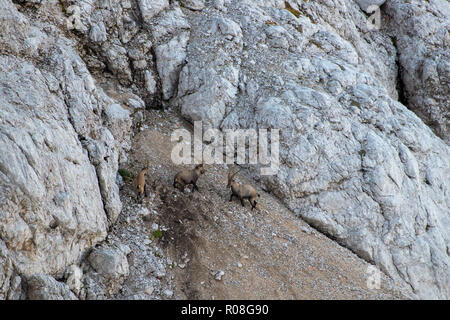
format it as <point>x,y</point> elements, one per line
<point>125,173</point>
<point>157,234</point>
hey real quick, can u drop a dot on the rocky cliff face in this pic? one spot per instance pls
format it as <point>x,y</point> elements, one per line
<point>60,149</point>
<point>420,30</point>
<point>358,160</point>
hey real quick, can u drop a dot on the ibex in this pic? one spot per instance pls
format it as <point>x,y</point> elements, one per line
<point>187,176</point>
<point>242,191</point>
<point>140,185</point>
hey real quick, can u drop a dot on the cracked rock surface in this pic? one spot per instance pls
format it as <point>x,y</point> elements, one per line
<point>421,31</point>
<point>58,161</point>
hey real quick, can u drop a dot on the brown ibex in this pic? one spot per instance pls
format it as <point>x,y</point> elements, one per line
<point>185,177</point>
<point>140,185</point>
<point>242,191</point>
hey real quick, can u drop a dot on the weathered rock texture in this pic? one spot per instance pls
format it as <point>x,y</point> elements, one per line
<point>108,270</point>
<point>44,287</point>
<point>355,163</point>
<point>58,159</point>
<point>367,5</point>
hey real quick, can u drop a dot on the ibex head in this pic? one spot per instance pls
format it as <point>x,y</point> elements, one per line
<point>200,168</point>
<point>231,176</point>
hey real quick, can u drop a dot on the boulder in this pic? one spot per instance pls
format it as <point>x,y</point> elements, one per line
<point>58,161</point>
<point>44,287</point>
<point>110,262</point>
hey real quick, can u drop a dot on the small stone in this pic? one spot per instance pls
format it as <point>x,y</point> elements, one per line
<point>143,211</point>
<point>168,293</point>
<point>150,83</point>
<point>149,290</point>
<point>239,265</point>
<point>219,275</point>
<point>45,287</point>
